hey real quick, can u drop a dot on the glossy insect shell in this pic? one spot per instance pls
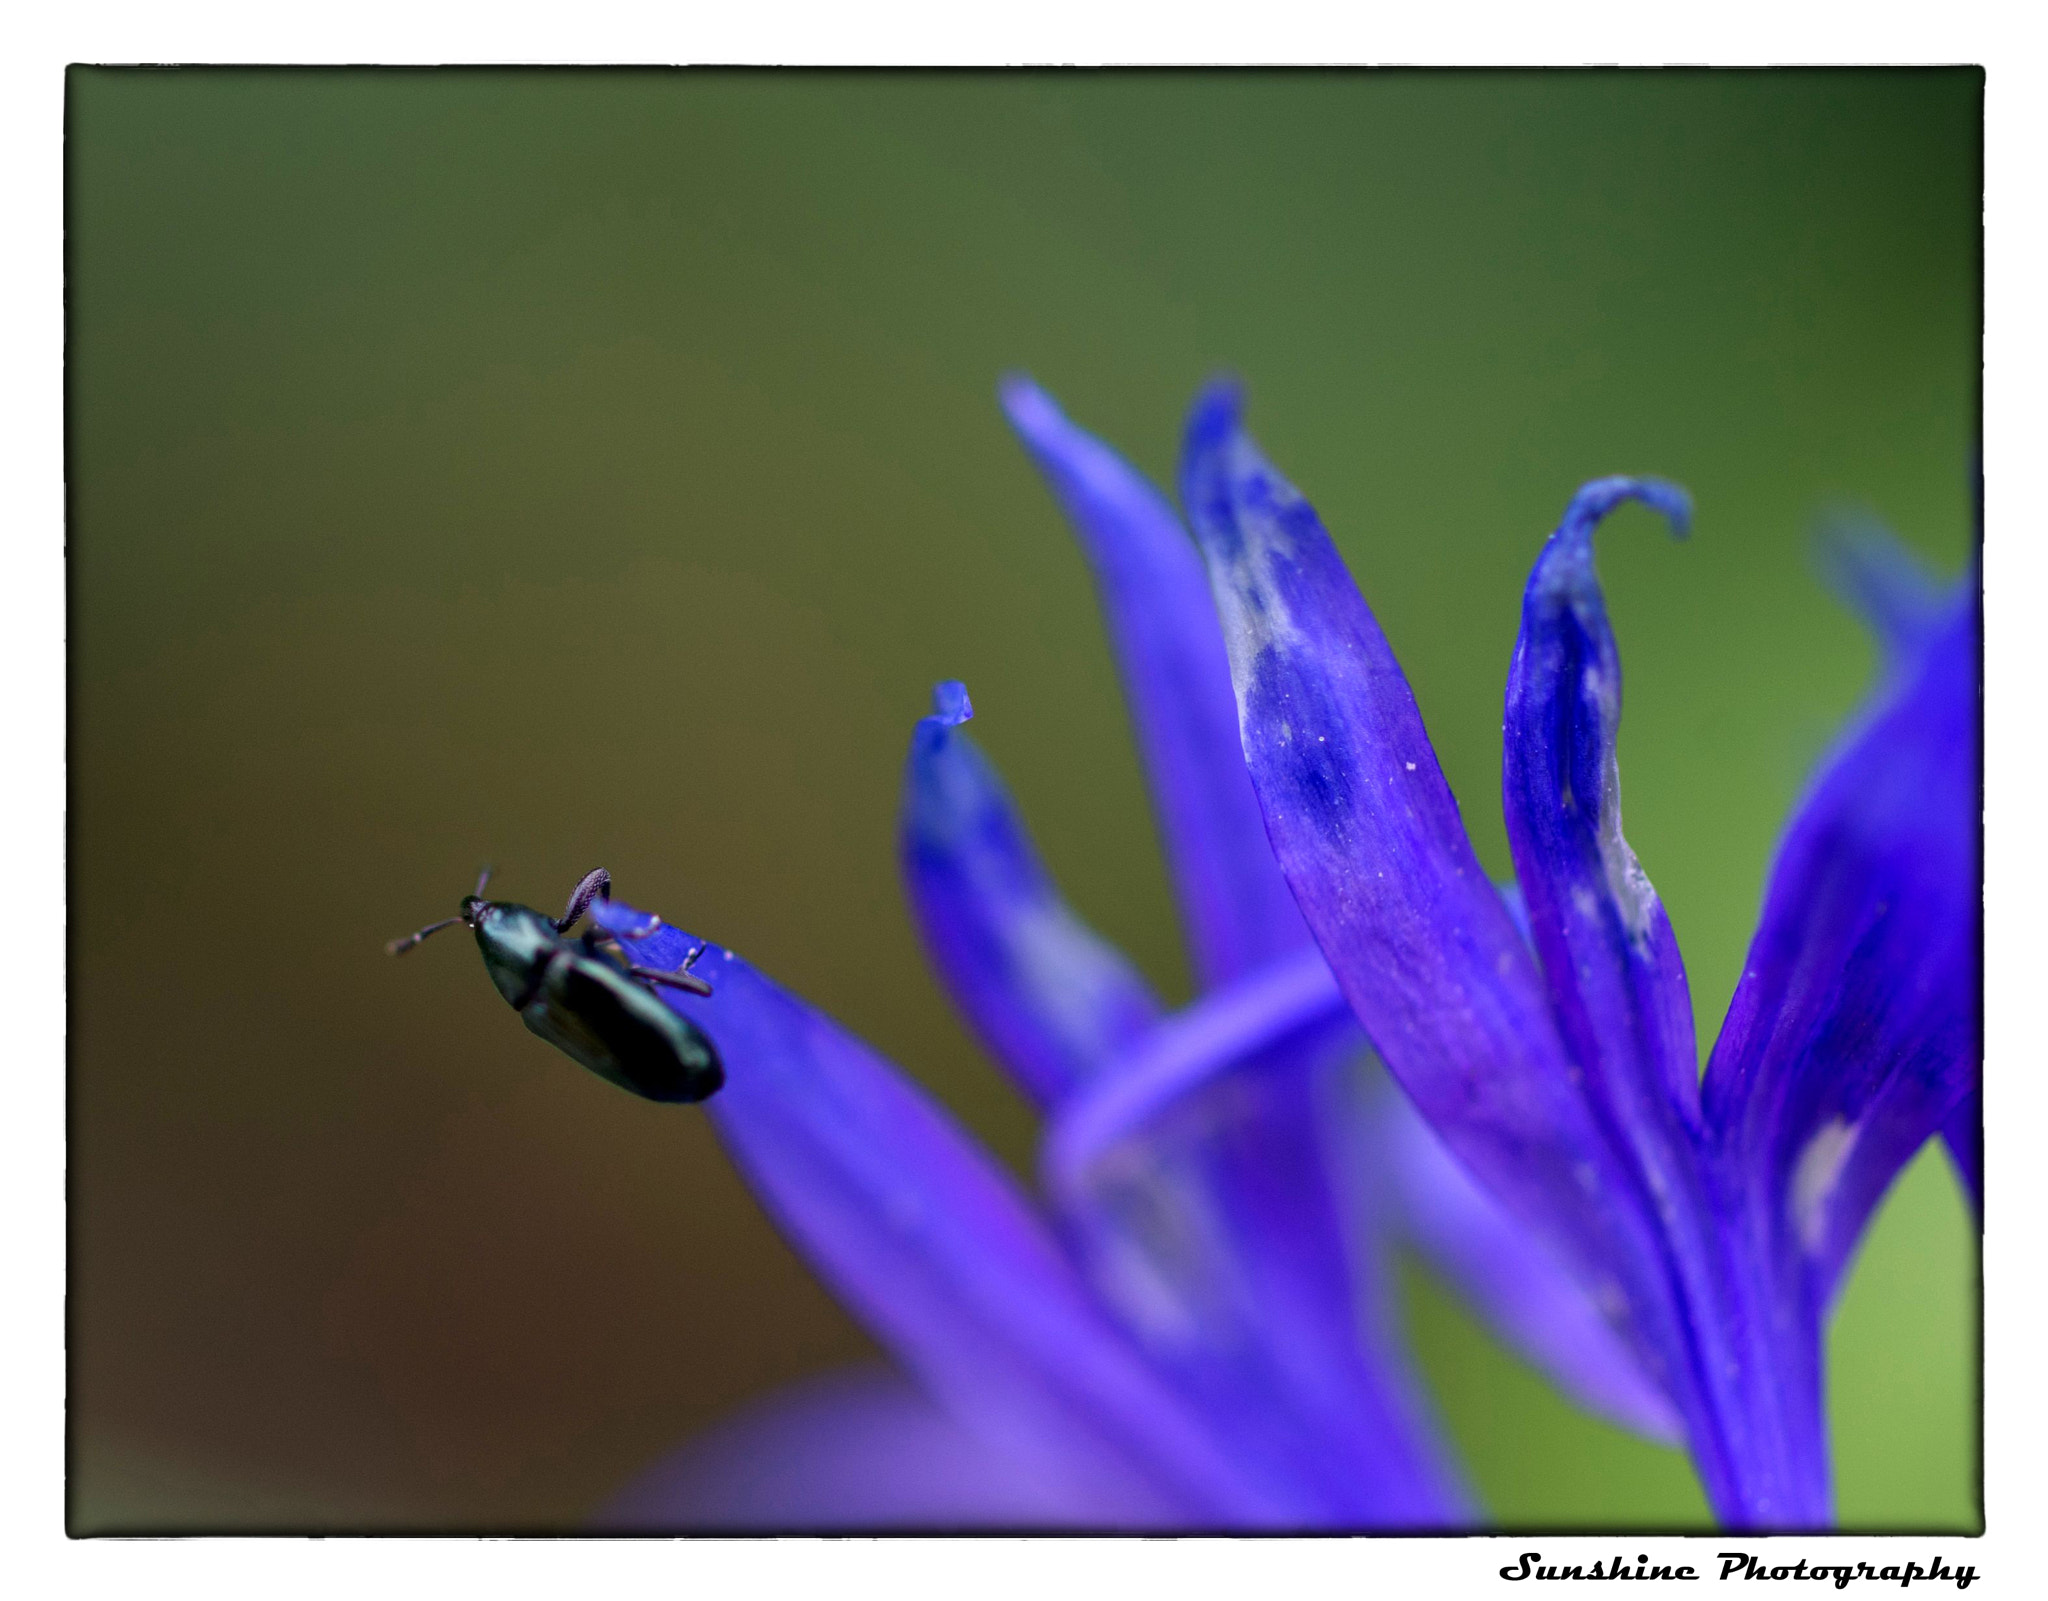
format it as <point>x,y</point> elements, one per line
<point>580,1002</point>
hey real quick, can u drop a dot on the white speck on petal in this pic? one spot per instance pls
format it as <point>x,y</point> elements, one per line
<point>1814,1177</point>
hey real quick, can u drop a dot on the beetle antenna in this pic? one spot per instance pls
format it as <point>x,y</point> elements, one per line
<point>595,885</point>
<point>398,947</point>
<point>482,879</point>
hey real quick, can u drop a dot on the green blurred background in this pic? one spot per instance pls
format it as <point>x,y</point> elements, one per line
<point>407,409</point>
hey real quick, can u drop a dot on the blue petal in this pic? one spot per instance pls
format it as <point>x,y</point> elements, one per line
<point>1369,838</point>
<point>1507,1278</point>
<point>848,1451</point>
<point>929,1243</point>
<point>1618,987</point>
<point>1202,1182</point>
<point>1616,980</point>
<point>1513,1283</point>
<point>1615,974</point>
<point>1215,1220</point>
<point>1162,623</point>
<point>1905,604</point>
<point>1214,1225</point>
<point>1052,999</point>
<point>1885,581</point>
<point>1854,1033</point>
<point>1292,999</point>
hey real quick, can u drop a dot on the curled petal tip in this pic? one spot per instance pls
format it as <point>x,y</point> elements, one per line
<point>1595,500</point>
<point>1565,568</point>
<point>950,705</point>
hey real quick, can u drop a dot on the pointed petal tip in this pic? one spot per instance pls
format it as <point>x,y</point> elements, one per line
<point>1217,412</point>
<point>950,705</point>
<point>1161,615</point>
<point>1052,1000</point>
<point>1217,459</point>
<point>1026,403</point>
<point>1881,578</point>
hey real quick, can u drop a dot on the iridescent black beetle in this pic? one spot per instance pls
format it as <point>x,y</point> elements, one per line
<point>586,997</point>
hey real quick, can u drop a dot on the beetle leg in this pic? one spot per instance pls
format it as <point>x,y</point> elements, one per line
<point>595,885</point>
<point>682,979</point>
<point>678,977</point>
<point>612,949</point>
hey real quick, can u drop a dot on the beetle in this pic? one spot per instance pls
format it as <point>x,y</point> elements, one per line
<point>585,997</point>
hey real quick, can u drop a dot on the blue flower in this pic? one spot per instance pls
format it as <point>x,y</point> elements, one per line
<point>1193,1327</point>
<point>1710,1218</point>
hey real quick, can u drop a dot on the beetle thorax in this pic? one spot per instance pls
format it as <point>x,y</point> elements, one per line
<point>517,943</point>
